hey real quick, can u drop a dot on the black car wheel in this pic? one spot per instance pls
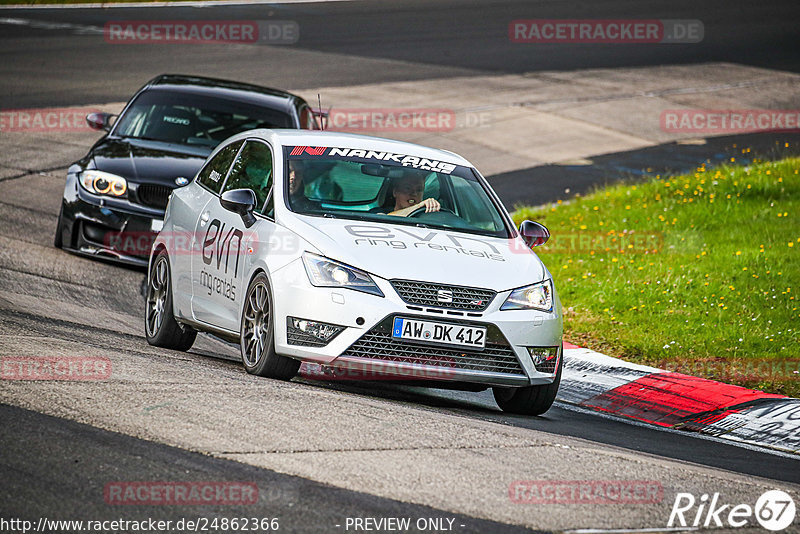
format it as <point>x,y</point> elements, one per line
<point>161,328</point>
<point>529,400</point>
<point>257,338</point>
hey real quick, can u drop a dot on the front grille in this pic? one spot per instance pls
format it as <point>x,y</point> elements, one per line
<point>429,294</point>
<point>378,344</point>
<point>155,196</point>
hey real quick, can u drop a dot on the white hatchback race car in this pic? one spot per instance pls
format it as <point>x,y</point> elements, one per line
<point>357,252</point>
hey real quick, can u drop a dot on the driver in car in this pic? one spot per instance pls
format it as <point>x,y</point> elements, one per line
<point>407,195</point>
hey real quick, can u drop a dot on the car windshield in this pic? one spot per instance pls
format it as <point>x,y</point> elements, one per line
<point>191,119</point>
<point>386,187</point>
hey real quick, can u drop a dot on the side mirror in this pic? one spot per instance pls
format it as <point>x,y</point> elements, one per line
<point>99,120</point>
<point>534,233</point>
<point>241,201</point>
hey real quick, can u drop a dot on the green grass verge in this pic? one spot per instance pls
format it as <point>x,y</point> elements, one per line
<point>695,273</point>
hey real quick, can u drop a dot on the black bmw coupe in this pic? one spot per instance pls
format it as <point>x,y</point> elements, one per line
<point>115,196</point>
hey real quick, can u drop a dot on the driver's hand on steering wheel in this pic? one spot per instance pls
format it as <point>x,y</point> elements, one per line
<point>430,205</point>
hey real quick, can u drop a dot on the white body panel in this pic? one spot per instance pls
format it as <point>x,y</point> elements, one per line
<point>385,251</point>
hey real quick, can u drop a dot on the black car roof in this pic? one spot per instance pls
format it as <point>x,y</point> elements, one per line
<point>243,92</point>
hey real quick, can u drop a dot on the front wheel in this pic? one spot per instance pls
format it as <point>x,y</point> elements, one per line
<point>529,400</point>
<point>257,338</point>
<point>160,327</point>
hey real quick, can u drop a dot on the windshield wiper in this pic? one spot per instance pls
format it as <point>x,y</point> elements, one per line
<point>143,138</point>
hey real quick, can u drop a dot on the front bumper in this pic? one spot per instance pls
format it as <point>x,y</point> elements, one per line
<point>366,344</point>
<point>111,229</point>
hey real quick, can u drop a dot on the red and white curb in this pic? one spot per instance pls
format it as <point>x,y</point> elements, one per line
<point>668,399</point>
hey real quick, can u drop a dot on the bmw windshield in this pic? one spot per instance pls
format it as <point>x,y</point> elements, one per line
<point>191,119</point>
<point>394,188</point>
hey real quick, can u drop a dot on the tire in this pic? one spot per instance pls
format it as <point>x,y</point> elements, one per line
<point>257,335</point>
<point>529,400</point>
<point>160,327</point>
<point>58,239</point>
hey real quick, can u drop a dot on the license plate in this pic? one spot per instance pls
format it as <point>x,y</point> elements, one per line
<point>439,333</point>
<point>156,225</point>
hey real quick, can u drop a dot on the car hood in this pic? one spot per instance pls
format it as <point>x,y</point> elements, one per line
<point>424,254</point>
<point>148,161</point>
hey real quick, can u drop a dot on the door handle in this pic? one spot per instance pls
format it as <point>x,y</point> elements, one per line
<point>204,219</point>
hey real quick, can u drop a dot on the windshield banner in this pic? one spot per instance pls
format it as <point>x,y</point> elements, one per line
<point>371,156</point>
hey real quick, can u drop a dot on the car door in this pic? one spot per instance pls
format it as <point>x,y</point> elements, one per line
<point>219,267</point>
<point>185,209</point>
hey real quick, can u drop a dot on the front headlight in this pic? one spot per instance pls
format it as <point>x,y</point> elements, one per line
<point>323,272</point>
<point>104,183</point>
<point>534,297</point>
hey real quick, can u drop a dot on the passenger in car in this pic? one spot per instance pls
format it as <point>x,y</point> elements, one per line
<point>297,196</point>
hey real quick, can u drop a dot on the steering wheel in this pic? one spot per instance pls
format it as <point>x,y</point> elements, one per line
<point>421,210</point>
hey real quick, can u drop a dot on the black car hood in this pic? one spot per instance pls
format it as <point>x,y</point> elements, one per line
<point>142,161</point>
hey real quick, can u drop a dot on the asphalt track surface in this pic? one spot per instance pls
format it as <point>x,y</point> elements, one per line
<point>548,183</point>
<point>67,477</point>
<point>57,466</point>
<point>351,43</point>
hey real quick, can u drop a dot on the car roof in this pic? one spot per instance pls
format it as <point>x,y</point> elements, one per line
<point>316,138</point>
<point>242,92</point>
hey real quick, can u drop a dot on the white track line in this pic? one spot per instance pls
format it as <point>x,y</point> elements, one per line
<point>629,530</point>
<point>43,25</point>
<point>180,3</point>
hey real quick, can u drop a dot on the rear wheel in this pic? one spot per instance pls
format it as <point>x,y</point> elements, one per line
<point>161,328</point>
<point>529,400</point>
<point>257,338</point>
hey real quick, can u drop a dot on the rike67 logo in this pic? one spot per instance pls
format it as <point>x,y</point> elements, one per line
<point>774,511</point>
